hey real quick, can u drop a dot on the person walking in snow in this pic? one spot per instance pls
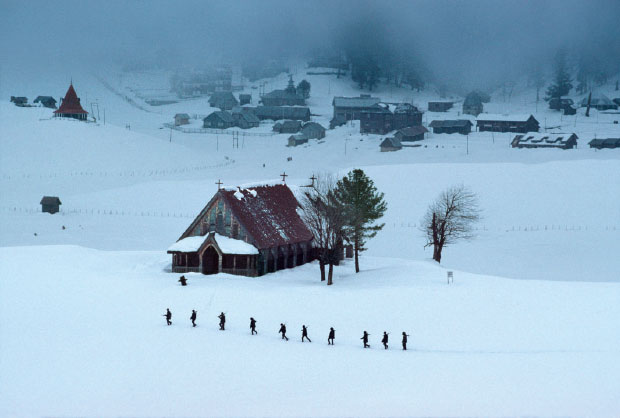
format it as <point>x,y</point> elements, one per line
<point>304,333</point>
<point>253,326</point>
<point>365,339</point>
<point>193,318</point>
<point>405,335</point>
<point>330,338</point>
<point>168,316</point>
<point>222,321</point>
<point>183,281</point>
<point>385,340</point>
<point>283,332</point>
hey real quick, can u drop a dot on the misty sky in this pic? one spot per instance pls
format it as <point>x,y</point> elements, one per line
<point>457,40</point>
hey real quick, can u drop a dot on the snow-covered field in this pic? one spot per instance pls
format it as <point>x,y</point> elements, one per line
<point>81,331</point>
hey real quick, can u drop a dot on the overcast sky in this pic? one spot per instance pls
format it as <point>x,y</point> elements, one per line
<point>458,40</point>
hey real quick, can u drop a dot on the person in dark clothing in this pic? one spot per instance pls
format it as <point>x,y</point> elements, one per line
<point>253,326</point>
<point>405,335</point>
<point>183,281</point>
<point>365,339</point>
<point>283,332</point>
<point>330,337</point>
<point>193,318</point>
<point>168,317</point>
<point>385,340</point>
<point>222,321</point>
<point>304,333</point>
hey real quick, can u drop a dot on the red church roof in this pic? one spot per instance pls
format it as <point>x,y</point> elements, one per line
<point>71,103</point>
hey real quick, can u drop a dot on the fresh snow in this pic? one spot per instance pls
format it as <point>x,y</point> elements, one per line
<point>226,244</point>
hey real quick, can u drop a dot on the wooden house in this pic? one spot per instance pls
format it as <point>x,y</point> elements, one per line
<point>472,105</point>
<point>599,102</point>
<point>47,101</point>
<point>50,204</point>
<point>245,99</point>
<point>461,126</point>
<point>245,119</point>
<point>390,144</point>
<point>286,97</point>
<point>224,100</point>
<point>297,139</point>
<point>70,106</point>
<point>600,143</point>
<point>313,130</point>
<point>351,108</point>
<point>282,112</point>
<point>440,106</point>
<point>412,133</point>
<point>181,119</point>
<point>220,119</point>
<point>383,118</point>
<point>507,123</point>
<point>19,101</point>
<point>287,127</point>
<point>544,140</point>
<point>247,232</point>
<point>337,121</point>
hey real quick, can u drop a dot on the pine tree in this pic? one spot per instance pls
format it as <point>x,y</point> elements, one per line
<point>562,82</point>
<point>303,88</point>
<point>363,205</point>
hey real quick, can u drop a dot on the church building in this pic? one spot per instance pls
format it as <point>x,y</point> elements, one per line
<point>70,106</point>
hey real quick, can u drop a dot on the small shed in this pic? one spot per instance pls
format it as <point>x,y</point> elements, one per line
<point>600,143</point>
<point>50,204</point>
<point>219,120</point>
<point>19,100</point>
<point>245,99</point>
<point>297,139</point>
<point>439,106</point>
<point>413,133</point>
<point>287,127</point>
<point>599,102</point>
<point>390,144</point>
<point>460,126</point>
<point>544,140</point>
<point>181,119</point>
<point>47,101</point>
<point>313,130</point>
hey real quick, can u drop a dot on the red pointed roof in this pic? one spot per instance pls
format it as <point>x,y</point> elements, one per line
<point>71,103</point>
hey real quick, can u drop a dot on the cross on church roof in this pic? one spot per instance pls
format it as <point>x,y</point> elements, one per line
<point>284,176</point>
<point>313,178</point>
<point>219,184</point>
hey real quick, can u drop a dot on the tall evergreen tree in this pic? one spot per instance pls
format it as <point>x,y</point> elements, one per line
<point>303,88</point>
<point>562,82</point>
<point>362,205</point>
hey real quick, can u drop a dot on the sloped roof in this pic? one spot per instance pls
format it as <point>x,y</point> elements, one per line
<point>493,117</point>
<point>282,94</point>
<point>226,244</point>
<point>391,142</point>
<point>358,102</point>
<point>71,103</point>
<point>50,200</point>
<point>412,130</point>
<point>608,142</point>
<point>598,99</point>
<point>44,98</point>
<point>460,123</point>
<point>248,116</point>
<point>182,115</point>
<point>222,96</point>
<point>222,114</point>
<point>268,214</point>
<point>313,125</point>
<point>282,112</point>
<point>544,139</point>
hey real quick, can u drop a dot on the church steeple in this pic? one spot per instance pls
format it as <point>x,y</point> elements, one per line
<point>291,85</point>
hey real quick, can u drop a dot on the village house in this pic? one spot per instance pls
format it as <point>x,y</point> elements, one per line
<point>224,100</point>
<point>507,123</point>
<point>248,232</point>
<point>461,126</point>
<point>600,143</point>
<point>46,101</point>
<point>181,119</point>
<point>439,106</point>
<point>282,112</point>
<point>245,99</point>
<point>297,139</point>
<point>599,102</point>
<point>351,108</point>
<point>286,97</point>
<point>545,140</point>
<point>473,104</point>
<point>337,121</point>
<point>220,119</point>
<point>383,118</point>
<point>287,127</point>
<point>245,119</point>
<point>313,130</point>
<point>390,144</point>
<point>412,133</point>
<point>19,101</point>
<point>50,204</point>
<point>70,106</point>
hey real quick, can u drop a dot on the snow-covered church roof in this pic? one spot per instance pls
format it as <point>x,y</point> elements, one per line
<point>226,244</point>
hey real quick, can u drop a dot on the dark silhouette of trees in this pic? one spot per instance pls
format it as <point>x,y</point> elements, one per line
<point>562,81</point>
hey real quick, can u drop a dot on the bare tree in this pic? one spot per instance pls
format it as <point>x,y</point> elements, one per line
<point>323,214</point>
<point>450,218</point>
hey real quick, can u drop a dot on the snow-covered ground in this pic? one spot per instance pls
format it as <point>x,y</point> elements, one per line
<point>81,332</point>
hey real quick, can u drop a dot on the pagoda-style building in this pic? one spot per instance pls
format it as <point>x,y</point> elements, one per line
<point>70,106</point>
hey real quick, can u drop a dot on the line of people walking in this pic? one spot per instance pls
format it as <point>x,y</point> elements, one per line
<point>304,330</point>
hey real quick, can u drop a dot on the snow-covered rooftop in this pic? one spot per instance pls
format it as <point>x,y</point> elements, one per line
<point>226,244</point>
<point>507,118</point>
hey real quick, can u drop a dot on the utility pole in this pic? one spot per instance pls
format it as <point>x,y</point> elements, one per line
<point>467,144</point>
